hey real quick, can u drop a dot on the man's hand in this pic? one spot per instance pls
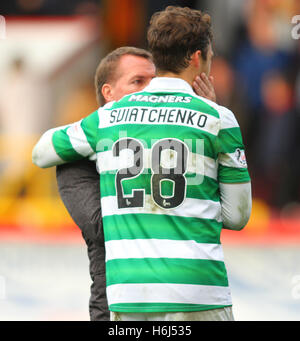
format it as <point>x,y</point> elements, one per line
<point>203,86</point>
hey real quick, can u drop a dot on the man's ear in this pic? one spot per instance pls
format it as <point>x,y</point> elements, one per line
<point>196,59</point>
<point>107,92</point>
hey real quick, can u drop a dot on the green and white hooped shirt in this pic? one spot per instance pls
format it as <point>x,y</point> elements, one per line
<point>161,154</point>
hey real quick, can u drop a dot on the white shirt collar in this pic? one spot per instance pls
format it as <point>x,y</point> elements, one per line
<point>168,84</point>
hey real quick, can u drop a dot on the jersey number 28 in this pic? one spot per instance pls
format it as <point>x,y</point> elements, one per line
<point>159,173</point>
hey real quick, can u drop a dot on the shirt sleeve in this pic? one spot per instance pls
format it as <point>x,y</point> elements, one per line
<point>236,203</point>
<point>231,151</point>
<point>68,143</point>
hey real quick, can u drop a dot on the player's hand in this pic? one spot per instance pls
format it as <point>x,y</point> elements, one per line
<point>203,86</point>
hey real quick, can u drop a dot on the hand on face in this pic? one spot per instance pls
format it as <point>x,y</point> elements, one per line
<point>203,86</point>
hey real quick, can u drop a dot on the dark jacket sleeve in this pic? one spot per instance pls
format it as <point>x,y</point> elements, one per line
<point>79,187</point>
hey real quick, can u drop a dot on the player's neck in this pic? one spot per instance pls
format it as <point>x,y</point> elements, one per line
<point>187,74</point>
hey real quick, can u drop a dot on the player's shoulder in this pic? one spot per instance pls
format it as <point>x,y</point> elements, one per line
<point>207,101</point>
<point>205,105</point>
<point>226,116</point>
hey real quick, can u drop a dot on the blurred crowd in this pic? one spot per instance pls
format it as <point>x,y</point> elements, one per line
<point>256,73</point>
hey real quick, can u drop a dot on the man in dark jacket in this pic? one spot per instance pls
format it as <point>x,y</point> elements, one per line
<point>123,71</point>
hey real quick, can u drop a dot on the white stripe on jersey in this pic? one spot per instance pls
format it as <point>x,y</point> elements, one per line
<point>44,154</point>
<point>232,160</point>
<point>168,293</point>
<point>197,163</point>
<point>211,126</point>
<point>192,208</point>
<point>227,118</point>
<point>78,140</point>
<point>162,248</point>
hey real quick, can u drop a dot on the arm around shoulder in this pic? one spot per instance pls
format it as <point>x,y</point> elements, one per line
<point>44,154</point>
<point>67,143</point>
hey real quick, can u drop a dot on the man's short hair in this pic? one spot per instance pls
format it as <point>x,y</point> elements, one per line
<point>106,70</point>
<point>175,34</point>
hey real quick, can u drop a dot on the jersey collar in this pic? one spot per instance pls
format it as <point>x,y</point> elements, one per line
<point>168,84</point>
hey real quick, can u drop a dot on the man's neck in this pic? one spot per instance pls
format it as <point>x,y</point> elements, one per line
<point>186,75</point>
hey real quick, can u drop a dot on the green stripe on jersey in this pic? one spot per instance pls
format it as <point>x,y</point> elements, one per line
<point>161,307</point>
<point>208,190</point>
<point>166,270</point>
<point>230,139</point>
<point>233,175</point>
<point>90,127</point>
<point>148,135</point>
<point>63,146</point>
<point>145,226</point>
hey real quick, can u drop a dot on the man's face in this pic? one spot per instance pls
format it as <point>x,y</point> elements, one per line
<point>206,66</point>
<point>133,74</point>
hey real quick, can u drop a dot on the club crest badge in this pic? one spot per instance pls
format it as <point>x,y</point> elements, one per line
<point>241,157</point>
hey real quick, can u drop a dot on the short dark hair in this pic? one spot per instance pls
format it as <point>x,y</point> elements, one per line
<point>175,34</point>
<point>105,72</point>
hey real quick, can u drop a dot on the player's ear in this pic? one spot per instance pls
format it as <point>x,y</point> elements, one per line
<point>196,59</point>
<point>107,92</point>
